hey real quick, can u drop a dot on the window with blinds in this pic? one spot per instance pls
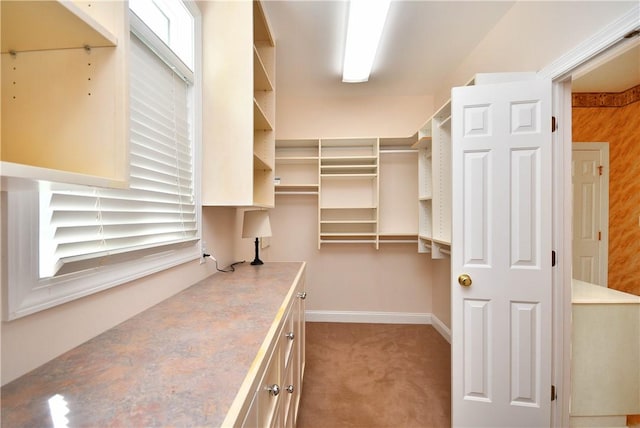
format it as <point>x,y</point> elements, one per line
<point>90,227</point>
<point>69,242</point>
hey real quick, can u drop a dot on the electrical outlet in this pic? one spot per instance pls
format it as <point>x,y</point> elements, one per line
<point>203,251</point>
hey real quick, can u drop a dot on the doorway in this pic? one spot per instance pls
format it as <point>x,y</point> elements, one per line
<point>590,184</point>
<point>608,44</point>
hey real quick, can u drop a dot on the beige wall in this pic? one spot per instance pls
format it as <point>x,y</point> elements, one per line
<point>35,339</point>
<point>532,34</point>
<point>341,117</point>
<point>350,277</point>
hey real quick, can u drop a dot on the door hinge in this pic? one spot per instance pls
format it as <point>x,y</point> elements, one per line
<point>553,258</point>
<point>600,170</point>
<point>554,393</point>
<point>554,124</point>
<point>599,236</point>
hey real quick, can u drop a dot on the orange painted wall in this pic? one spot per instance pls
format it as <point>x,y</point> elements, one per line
<point>621,128</point>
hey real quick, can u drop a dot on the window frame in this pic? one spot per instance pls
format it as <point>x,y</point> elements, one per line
<point>26,293</point>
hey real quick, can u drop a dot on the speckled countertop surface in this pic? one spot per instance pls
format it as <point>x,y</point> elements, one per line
<point>179,363</point>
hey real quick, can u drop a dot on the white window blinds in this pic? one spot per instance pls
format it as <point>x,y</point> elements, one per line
<point>86,228</point>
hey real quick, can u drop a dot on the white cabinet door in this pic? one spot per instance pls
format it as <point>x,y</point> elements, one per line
<point>501,323</point>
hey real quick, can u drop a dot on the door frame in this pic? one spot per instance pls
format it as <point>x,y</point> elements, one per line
<point>603,251</point>
<point>560,72</point>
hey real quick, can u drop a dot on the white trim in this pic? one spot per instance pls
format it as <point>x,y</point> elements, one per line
<point>441,328</point>
<point>596,44</point>
<point>380,318</point>
<point>559,71</point>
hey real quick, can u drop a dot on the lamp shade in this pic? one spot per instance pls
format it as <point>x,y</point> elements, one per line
<point>256,224</point>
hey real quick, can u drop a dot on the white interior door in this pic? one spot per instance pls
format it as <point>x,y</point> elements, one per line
<point>590,212</point>
<point>501,323</point>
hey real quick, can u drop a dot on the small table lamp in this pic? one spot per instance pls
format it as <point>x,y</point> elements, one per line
<point>256,224</point>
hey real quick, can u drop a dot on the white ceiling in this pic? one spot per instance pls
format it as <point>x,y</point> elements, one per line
<point>422,42</point>
<point>616,73</point>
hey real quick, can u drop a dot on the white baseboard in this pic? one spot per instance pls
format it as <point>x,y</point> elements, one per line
<point>380,318</point>
<point>441,328</point>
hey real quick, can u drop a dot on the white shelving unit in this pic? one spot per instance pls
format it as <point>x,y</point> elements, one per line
<point>239,105</point>
<point>348,191</point>
<point>297,167</point>
<point>434,172</point>
<point>425,190</point>
<point>68,121</point>
<point>434,200</point>
<point>398,223</point>
<point>365,187</point>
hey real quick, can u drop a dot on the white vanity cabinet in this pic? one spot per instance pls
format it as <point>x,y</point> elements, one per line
<point>273,399</point>
<point>605,355</point>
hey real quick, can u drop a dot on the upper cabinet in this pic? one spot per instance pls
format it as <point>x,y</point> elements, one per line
<point>238,105</point>
<point>64,92</point>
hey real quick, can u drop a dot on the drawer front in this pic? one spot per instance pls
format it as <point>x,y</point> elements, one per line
<point>270,390</point>
<point>289,393</point>
<point>289,335</point>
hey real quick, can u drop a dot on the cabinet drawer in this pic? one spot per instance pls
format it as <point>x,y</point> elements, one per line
<point>270,390</point>
<point>289,336</point>
<point>290,391</point>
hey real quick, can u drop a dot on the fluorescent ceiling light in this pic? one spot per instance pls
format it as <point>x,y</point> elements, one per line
<point>366,21</point>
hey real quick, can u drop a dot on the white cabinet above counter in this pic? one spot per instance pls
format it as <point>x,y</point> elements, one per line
<point>64,92</point>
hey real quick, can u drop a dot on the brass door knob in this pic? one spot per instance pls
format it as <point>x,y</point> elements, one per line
<point>464,280</point>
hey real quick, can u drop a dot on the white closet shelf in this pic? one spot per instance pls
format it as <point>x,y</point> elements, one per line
<point>348,221</point>
<point>422,143</point>
<point>348,208</point>
<point>426,198</point>
<point>348,241</point>
<point>441,242</point>
<point>261,80</point>
<point>344,234</point>
<point>50,25</point>
<point>346,175</point>
<point>397,151</point>
<point>260,120</point>
<point>344,167</point>
<point>445,121</point>
<point>296,159</point>
<point>261,163</point>
<point>338,160</point>
<point>296,189</point>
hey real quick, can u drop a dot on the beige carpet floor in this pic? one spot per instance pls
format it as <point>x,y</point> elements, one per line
<point>375,375</point>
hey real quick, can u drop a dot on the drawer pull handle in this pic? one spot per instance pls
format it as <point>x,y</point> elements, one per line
<point>302,295</point>
<point>290,389</point>
<point>290,335</point>
<point>274,389</point>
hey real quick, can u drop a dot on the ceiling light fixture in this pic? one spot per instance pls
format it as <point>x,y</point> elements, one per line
<point>366,21</point>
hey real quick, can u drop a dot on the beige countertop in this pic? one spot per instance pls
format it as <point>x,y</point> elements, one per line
<point>179,363</point>
<point>587,293</point>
